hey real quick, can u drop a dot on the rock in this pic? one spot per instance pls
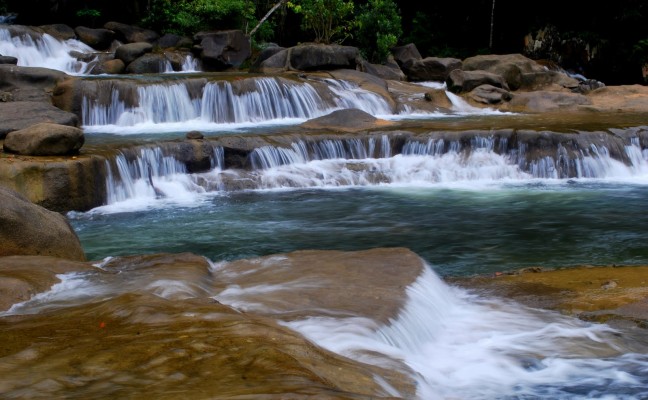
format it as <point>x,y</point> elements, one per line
<point>405,53</point>
<point>8,60</point>
<point>438,97</point>
<point>464,81</point>
<point>367,82</point>
<point>545,79</point>
<point>275,63</point>
<point>148,64</point>
<point>311,57</point>
<point>543,101</point>
<point>222,50</point>
<point>430,68</point>
<point>195,135</point>
<point>129,52</point>
<point>45,139</point>
<point>508,66</point>
<point>170,40</point>
<point>18,115</point>
<point>58,184</point>
<point>265,54</point>
<point>347,120</point>
<point>390,70</point>
<point>22,277</point>
<point>111,67</point>
<point>488,94</point>
<point>28,229</point>
<point>59,31</point>
<point>99,39</point>
<point>29,83</point>
<point>131,34</point>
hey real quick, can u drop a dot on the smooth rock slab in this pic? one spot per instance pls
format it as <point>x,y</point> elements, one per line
<point>16,115</point>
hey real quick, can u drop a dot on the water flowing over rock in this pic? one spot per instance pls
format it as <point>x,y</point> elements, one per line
<point>28,229</point>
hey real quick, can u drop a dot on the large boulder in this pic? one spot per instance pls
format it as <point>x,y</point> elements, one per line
<point>311,57</point>
<point>18,115</point>
<point>405,53</point>
<point>45,139</point>
<point>222,50</point>
<point>28,229</point>
<point>389,70</point>
<point>148,64</point>
<point>272,61</point>
<point>112,67</point>
<point>171,40</point>
<point>265,54</point>
<point>430,68</point>
<point>130,52</point>
<point>346,120</point>
<point>131,34</point>
<point>460,81</point>
<point>488,94</point>
<point>509,66</point>
<point>8,60</point>
<point>99,39</point>
<point>547,101</point>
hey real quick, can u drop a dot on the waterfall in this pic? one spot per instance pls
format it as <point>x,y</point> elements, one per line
<point>350,95</point>
<point>44,51</point>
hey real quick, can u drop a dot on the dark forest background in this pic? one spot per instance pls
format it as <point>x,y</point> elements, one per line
<point>607,41</point>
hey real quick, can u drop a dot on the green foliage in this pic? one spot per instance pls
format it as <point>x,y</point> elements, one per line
<point>186,17</point>
<point>88,16</point>
<point>327,19</point>
<point>378,29</point>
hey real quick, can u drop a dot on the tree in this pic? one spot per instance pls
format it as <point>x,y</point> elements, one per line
<point>325,18</point>
<point>378,29</point>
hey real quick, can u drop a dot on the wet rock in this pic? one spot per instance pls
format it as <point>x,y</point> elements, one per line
<point>131,34</point>
<point>222,50</point>
<point>29,229</point>
<point>130,52</point>
<point>508,66</point>
<point>390,70</point>
<point>45,139</point>
<point>22,277</point>
<point>488,94</point>
<point>195,135</point>
<point>544,101</point>
<point>266,53</point>
<point>99,39</point>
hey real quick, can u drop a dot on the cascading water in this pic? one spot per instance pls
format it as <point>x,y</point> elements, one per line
<point>44,51</point>
<point>465,346</point>
<point>171,107</point>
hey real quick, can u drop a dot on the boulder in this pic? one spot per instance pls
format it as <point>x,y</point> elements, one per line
<point>459,81</point>
<point>148,64</point>
<point>99,39</point>
<point>405,53</point>
<point>265,54</point>
<point>430,68</point>
<point>389,70</point>
<point>275,63</point>
<point>131,34</point>
<point>28,229</point>
<point>195,135</point>
<point>543,79</point>
<point>111,67</point>
<point>129,52</point>
<point>222,50</point>
<point>547,101</point>
<point>171,40</point>
<point>59,31</point>
<point>311,57</point>
<point>18,115</point>
<point>509,66</point>
<point>45,139</point>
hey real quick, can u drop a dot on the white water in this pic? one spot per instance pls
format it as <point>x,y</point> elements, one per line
<point>46,52</point>
<point>462,346</point>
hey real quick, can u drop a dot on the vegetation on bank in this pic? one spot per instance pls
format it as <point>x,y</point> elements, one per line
<point>607,43</point>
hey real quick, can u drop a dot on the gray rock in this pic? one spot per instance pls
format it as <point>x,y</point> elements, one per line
<point>44,139</point>
<point>8,60</point>
<point>430,68</point>
<point>222,50</point>
<point>488,94</point>
<point>405,53</point>
<point>148,64</point>
<point>465,81</point>
<point>311,57</point>
<point>59,31</point>
<point>130,33</point>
